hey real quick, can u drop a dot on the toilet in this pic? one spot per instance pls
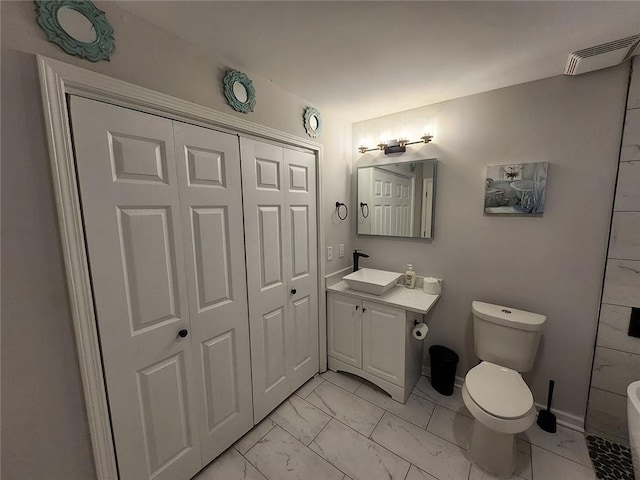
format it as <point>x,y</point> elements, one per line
<point>506,341</point>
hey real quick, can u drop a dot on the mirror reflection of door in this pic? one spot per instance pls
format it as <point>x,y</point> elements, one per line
<point>399,198</point>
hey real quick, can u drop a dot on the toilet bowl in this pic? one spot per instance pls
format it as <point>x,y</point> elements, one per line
<point>502,406</point>
<point>506,341</point>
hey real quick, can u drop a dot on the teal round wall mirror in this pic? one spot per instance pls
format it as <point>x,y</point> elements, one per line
<point>76,26</point>
<point>312,122</point>
<point>239,91</point>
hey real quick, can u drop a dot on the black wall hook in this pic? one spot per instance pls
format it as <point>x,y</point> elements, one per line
<point>346,210</point>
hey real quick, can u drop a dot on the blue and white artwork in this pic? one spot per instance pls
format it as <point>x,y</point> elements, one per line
<point>518,188</point>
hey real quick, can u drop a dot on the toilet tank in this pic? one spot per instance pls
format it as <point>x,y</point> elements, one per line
<point>506,336</point>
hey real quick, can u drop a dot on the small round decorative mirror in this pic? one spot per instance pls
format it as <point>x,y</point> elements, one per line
<point>312,122</point>
<point>239,91</point>
<point>76,26</point>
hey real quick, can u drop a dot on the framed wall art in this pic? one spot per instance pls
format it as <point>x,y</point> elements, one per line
<point>516,189</point>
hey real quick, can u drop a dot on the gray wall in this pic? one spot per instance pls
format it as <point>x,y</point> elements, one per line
<point>617,356</point>
<point>553,264</point>
<point>44,428</point>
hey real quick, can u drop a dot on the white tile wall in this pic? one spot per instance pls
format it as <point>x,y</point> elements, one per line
<point>617,356</point>
<point>622,283</point>
<point>613,370</point>
<point>634,91</point>
<point>627,191</point>
<point>625,241</point>
<point>631,136</point>
<point>607,413</point>
<point>613,328</point>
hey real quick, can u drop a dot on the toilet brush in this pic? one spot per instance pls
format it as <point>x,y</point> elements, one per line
<point>546,419</point>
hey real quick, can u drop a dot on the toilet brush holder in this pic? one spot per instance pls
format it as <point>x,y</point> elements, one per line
<point>546,419</point>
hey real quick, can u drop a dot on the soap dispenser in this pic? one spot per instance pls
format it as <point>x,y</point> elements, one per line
<point>410,277</point>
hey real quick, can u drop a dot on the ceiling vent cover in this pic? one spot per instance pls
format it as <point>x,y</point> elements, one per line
<point>601,56</point>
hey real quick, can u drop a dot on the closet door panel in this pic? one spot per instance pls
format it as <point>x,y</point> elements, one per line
<point>127,174</point>
<point>211,206</point>
<point>263,198</point>
<point>300,204</point>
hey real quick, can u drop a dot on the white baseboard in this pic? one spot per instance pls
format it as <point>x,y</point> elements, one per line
<point>565,419</point>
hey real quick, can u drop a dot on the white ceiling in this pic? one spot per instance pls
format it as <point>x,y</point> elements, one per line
<point>369,59</point>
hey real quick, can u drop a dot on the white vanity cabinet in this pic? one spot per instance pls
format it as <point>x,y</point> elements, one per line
<point>374,341</point>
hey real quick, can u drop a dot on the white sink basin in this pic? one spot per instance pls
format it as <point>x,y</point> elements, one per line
<point>369,280</point>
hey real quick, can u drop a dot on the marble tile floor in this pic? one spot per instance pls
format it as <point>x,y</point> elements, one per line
<point>339,427</point>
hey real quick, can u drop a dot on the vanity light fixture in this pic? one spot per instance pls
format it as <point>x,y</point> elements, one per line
<point>395,146</point>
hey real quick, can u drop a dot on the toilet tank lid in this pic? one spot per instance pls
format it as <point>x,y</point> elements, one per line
<point>507,316</point>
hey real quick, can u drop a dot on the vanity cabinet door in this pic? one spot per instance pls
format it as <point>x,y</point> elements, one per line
<point>344,329</point>
<point>383,339</point>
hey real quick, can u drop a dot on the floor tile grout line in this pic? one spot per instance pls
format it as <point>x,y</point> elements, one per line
<point>397,454</point>
<point>336,385</point>
<point>372,440</point>
<point>322,380</point>
<point>383,408</point>
<point>331,417</point>
<point>590,466</point>
<point>379,420</point>
<point>313,407</point>
<point>254,465</point>
<point>308,448</point>
<point>408,470</point>
<point>258,441</point>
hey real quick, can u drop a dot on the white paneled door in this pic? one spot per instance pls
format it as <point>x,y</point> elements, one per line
<point>279,192</point>
<point>211,213</point>
<point>391,198</point>
<point>161,204</point>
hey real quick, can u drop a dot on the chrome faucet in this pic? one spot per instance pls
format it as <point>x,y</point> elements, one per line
<point>356,259</point>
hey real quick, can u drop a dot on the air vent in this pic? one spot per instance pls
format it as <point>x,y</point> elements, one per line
<point>601,56</point>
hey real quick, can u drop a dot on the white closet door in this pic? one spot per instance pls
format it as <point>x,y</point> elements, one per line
<point>129,192</point>
<point>263,195</point>
<point>300,204</point>
<point>211,208</point>
<point>279,204</point>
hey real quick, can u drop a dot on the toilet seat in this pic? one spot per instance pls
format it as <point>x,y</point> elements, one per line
<point>499,391</point>
<point>499,398</point>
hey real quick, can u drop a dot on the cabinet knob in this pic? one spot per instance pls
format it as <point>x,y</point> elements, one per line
<point>364,309</point>
<point>183,333</point>
<point>357,307</point>
<point>293,291</point>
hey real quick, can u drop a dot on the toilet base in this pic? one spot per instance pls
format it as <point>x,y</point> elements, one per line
<point>493,451</point>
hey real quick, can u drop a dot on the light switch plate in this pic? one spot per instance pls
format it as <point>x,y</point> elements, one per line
<point>329,253</point>
<point>341,250</point>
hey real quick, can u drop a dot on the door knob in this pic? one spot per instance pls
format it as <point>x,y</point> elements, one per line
<point>293,291</point>
<point>183,333</point>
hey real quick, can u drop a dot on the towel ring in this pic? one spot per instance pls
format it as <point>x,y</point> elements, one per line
<point>346,210</point>
<point>362,207</point>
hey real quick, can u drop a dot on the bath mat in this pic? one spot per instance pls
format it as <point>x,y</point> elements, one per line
<point>611,461</point>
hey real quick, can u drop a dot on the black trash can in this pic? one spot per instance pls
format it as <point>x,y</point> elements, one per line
<point>444,362</point>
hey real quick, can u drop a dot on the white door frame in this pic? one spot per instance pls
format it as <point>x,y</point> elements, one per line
<point>57,79</point>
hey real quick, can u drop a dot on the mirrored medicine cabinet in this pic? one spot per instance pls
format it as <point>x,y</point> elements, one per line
<point>397,200</point>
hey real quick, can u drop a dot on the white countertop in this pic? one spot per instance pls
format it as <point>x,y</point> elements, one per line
<point>414,300</point>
